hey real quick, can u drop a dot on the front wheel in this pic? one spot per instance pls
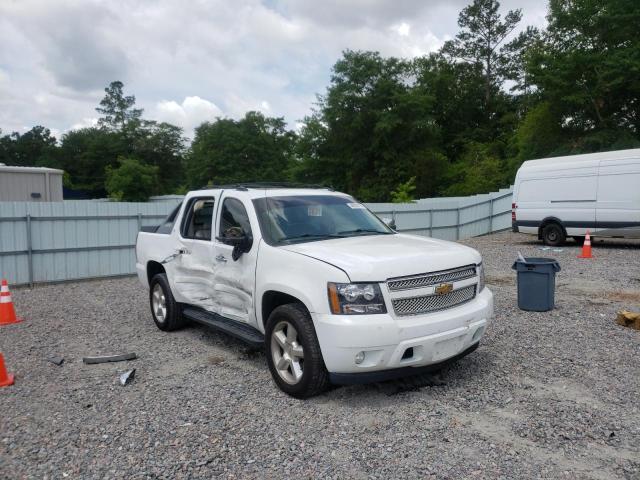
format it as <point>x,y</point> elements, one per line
<point>293,352</point>
<point>553,235</point>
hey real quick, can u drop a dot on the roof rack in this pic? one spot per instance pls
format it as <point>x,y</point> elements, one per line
<point>266,185</point>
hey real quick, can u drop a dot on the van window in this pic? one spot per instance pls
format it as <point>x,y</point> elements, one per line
<point>198,219</point>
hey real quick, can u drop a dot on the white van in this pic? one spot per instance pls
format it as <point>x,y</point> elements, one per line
<point>562,197</point>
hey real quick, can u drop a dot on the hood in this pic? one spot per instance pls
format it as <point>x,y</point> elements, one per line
<point>379,257</point>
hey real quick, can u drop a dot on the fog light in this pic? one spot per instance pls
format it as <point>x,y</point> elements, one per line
<point>359,358</point>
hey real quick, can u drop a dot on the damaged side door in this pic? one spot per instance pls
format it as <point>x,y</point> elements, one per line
<point>235,273</point>
<point>194,266</point>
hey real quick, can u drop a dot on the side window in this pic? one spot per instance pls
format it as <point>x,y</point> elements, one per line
<point>167,224</point>
<point>234,221</point>
<point>198,219</point>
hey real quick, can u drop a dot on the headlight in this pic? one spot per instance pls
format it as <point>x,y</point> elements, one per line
<point>355,298</point>
<point>481,279</point>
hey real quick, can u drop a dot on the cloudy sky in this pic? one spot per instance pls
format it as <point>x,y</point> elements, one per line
<point>190,61</point>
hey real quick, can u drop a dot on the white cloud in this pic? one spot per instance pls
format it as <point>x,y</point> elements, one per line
<point>84,123</point>
<point>404,29</point>
<point>220,57</point>
<point>188,114</point>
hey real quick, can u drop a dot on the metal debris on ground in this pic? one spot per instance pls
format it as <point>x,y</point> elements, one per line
<point>109,358</point>
<point>127,377</point>
<point>628,319</point>
<point>55,360</point>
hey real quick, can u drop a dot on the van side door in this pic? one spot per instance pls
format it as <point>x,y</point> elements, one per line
<point>235,274</point>
<point>618,206</point>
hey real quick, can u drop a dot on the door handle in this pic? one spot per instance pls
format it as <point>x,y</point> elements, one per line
<point>221,258</point>
<point>183,251</point>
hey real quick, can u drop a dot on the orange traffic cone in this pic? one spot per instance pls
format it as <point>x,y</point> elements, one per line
<point>586,247</point>
<point>6,379</point>
<point>7,313</point>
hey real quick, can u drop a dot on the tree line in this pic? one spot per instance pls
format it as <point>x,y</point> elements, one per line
<point>458,121</point>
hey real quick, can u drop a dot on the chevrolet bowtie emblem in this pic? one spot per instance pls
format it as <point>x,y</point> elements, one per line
<point>444,288</point>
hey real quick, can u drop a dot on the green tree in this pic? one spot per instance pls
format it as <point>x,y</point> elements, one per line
<point>480,42</point>
<point>254,148</point>
<point>404,192</point>
<point>117,110</point>
<point>131,181</point>
<point>371,130</point>
<point>85,153</point>
<point>34,148</point>
<point>161,145</point>
<point>588,67</point>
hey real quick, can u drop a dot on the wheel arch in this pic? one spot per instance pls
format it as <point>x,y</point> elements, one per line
<point>272,299</point>
<point>153,269</point>
<point>548,220</point>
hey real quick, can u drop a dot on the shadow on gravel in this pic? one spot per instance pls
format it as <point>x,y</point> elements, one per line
<point>604,243</point>
<point>470,369</point>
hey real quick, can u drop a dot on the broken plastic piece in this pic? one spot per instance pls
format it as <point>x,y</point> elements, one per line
<point>127,377</point>
<point>55,360</point>
<point>109,358</point>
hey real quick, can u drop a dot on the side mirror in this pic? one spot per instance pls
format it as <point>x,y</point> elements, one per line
<point>233,241</point>
<point>389,222</point>
<point>240,244</point>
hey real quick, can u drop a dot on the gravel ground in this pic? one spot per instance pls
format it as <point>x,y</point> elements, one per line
<point>547,395</point>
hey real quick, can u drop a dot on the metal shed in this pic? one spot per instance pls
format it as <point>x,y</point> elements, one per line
<point>30,184</point>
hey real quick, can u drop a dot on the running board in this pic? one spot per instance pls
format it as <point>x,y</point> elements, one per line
<point>236,329</point>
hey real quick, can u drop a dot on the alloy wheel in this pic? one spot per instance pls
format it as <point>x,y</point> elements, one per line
<point>287,352</point>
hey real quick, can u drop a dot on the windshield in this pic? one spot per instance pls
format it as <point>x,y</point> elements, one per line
<point>295,219</point>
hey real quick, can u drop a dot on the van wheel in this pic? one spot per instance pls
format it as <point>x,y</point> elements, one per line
<point>553,235</point>
<point>293,352</point>
<point>164,308</point>
<point>579,239</point>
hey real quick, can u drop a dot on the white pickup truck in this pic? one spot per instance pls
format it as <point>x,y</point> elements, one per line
<point>332,293</point>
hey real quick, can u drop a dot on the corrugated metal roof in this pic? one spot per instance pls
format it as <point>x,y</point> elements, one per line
<point>9,168</point>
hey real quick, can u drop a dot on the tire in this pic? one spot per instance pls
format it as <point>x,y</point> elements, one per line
<point>164,309</point>
<point>553,235</point>
<point>294,357</point>
<point>579,239</point>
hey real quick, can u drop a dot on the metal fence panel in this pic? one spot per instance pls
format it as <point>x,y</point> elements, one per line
<point>78,239</point>
<point>46,242</point>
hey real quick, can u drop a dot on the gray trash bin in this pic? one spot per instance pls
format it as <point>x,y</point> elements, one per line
<point>536,283</point>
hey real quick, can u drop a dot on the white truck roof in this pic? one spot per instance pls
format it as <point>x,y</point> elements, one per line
<point>259,191</point>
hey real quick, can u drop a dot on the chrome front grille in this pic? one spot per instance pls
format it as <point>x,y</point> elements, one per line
<point>433,278</point>
<point>433,303</point>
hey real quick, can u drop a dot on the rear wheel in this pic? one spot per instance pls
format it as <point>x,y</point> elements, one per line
<point>553,235</point>
<point>164,309</point>
<point>293,352</point>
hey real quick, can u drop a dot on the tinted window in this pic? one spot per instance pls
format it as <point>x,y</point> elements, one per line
<point>167,224</point>
<point>199,219</point>
<point>294,219</point>
<point>234,221</point>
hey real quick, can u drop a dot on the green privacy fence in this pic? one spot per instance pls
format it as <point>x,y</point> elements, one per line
<point>72,240</point>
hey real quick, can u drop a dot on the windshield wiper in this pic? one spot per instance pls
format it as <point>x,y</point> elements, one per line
<point>363,230</point>
<point>312,235</point>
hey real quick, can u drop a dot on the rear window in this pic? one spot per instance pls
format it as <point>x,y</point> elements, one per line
<point>167,224</point>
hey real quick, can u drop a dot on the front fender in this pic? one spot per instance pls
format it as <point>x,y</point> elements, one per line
<point>297,275</point>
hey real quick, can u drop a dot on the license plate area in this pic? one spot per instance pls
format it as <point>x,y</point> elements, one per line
<point>447,348</point>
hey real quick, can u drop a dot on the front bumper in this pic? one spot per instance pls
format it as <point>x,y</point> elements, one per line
<point>396,343</point>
